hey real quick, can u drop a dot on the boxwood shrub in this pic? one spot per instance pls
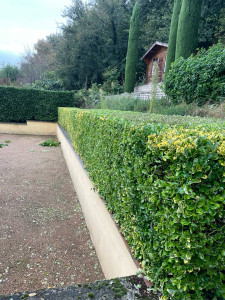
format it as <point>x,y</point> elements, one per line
<point>164,183</point>
<point>20,105</point>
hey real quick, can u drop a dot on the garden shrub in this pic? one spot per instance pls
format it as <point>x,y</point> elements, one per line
<point>48,81</point>
<point>163,106</point>
<point>199,78</point>
<point>112,82</point>
<point>163,179</point>
<point>20,105</point>
<point>88,98</point>
<point>124,102</point>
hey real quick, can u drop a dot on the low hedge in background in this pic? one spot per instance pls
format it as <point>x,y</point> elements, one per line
<point>20,105</point>
<point>165,186</point>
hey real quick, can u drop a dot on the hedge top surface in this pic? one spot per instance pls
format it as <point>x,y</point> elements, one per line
<point>28,90</point>
<point>163,121</point>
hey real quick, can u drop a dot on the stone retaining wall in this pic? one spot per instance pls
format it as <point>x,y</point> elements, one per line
<point>145,91</point>
<point>30,127</point>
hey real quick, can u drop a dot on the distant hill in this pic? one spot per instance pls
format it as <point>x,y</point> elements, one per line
<point>8,58</point>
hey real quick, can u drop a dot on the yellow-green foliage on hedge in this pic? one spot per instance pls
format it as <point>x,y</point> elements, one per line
<point>165,185</point>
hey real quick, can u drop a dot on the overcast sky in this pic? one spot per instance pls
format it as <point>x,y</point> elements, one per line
<point>23,22</point>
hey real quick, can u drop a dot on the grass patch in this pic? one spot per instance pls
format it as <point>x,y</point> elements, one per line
<point>50,143</point>
<point>5,143</point>
<point>124,102</point>
<point>2,145</point>
<point>162,106</point>
<point>209,110</point>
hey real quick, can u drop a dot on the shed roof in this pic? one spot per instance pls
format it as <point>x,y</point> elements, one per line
<point>155,45</point>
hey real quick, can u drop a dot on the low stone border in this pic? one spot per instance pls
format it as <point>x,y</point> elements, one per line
<point>30,127</point>
<point>112,252</point>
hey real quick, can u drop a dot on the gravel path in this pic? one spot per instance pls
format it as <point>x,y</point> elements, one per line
<point>44,241</point>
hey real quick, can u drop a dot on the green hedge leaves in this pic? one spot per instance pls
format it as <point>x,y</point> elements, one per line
<point>199,78</point>
<point>165,186</point>
<point>20,105</point>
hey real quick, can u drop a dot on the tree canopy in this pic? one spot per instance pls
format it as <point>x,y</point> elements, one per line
<point>94,39</point>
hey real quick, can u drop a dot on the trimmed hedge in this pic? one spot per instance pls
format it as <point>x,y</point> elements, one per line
<point>165,186</point>
<point>20,105</point>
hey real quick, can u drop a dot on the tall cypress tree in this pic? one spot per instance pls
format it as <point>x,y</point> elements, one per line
<point>173,35</point>
<point>132,50</point>
<point>187,32</point>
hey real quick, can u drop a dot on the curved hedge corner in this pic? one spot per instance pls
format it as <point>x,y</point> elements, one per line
<point>165,185</point>
<point>20,105</point>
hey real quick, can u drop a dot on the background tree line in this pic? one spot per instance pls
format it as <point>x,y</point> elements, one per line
<point>93,41</point>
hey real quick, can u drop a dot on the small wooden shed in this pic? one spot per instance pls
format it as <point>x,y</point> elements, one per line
<point>156,53</point>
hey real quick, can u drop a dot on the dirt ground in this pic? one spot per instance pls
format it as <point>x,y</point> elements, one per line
<point>44,241</point>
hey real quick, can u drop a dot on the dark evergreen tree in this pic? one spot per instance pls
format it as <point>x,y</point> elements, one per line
<point>173,35</point>
<point>132,50</point>
<point>155,22</point>
<point>187,32</point>
<point>221,27</point>
<point>210,29</point>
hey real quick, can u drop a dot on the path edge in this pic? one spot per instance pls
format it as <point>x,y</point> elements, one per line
<point>112,252</point>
